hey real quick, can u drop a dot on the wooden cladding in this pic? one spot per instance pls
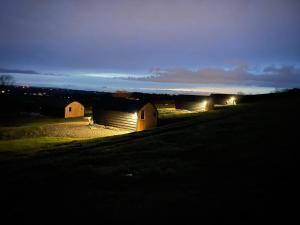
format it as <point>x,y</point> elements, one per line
<point>191,106</point>
<point>143,118</point>
<point>165,104</point>
<point>123,120</point>
<point>147,117</point>
<point>195,106</point>
<point>74,109</point>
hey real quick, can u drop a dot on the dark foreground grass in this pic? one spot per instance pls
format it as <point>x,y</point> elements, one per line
<point>236,166</point>
<point>32,145</point>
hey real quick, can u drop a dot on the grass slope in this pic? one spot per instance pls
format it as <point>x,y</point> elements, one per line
<point>31,145</point>
<point>233,166</point>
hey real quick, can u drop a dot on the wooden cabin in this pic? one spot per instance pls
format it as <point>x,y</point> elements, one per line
<point>74,109</point>
<point>164,104</point>
<point>62,108</point>
<point>224,99</point>
<point>194,103</point>
<point>161,101</point>
<point>127,114</point>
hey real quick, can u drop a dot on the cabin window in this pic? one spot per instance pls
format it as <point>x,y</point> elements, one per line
<point>70,109</point>
<point>142,114</point>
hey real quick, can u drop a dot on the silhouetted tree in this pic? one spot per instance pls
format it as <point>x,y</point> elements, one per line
<point>6,80</point>
<point>122,94</point>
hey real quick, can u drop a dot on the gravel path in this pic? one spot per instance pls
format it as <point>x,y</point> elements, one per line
<point>80,130</point>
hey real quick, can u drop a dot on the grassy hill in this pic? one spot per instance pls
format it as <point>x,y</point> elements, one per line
<point>236,165</point>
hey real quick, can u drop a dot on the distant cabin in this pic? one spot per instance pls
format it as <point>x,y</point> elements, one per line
<point>224,99</point>
<point>63,108</point>
<point>164,104</point>
<point>194,103</point>
<point>74,109</point>
<point>127,114</point>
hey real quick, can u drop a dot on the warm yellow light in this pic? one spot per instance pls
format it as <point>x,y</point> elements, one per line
<point>203,106</point>
<point>135,115</point>
<point>231,101</point>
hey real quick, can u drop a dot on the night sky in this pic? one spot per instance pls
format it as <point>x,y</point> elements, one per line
<point>240,43</point>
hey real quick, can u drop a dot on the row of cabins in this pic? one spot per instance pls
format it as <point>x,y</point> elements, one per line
<point>132,114</point>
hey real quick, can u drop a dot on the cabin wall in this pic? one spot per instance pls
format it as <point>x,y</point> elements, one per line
<point>225,101</point>
<point>220,101</point>
<point>88,111</point>
<point>74,109</point>
<point>197,106</point>
<point>209,105</point>
<point>150,118</point>
<point>231,101</point>
<point>123,120</point>
<point>165,105</point>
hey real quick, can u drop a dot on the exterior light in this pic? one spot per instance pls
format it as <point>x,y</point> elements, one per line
<point>231,101</point>
<point>135,115</point>
<point>203,105</point>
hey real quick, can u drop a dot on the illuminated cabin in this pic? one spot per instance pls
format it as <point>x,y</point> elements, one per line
<point>133,115</point>
<point>194,103</point>
<point>74,109</point>
<point>164,104</point>
<point>224,99</point>
<point>63,108</point>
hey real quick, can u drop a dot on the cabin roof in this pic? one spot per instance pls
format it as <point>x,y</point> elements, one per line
<point>120,104</point>
<point>222,95</point>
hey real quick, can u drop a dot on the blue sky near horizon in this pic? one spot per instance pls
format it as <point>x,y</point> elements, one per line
<point>180,45</point>
<point>108,84</point>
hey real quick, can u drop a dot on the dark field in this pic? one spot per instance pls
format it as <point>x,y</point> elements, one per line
<point>234,165</point>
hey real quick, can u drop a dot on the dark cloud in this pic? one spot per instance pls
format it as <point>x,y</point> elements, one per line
<point>285,76</point>
<point>135,35</point>
<point>31,72</point>
<point>3,70</point>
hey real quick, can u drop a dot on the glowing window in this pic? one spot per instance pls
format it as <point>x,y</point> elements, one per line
<point>142,115</point>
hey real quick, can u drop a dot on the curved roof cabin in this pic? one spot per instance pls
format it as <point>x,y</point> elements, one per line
<point>164,104</point>
<point>194,103</point>
<point>127,114</point>
<point>63,108</point>
<point>224,99</point>
<point>74,109</point>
